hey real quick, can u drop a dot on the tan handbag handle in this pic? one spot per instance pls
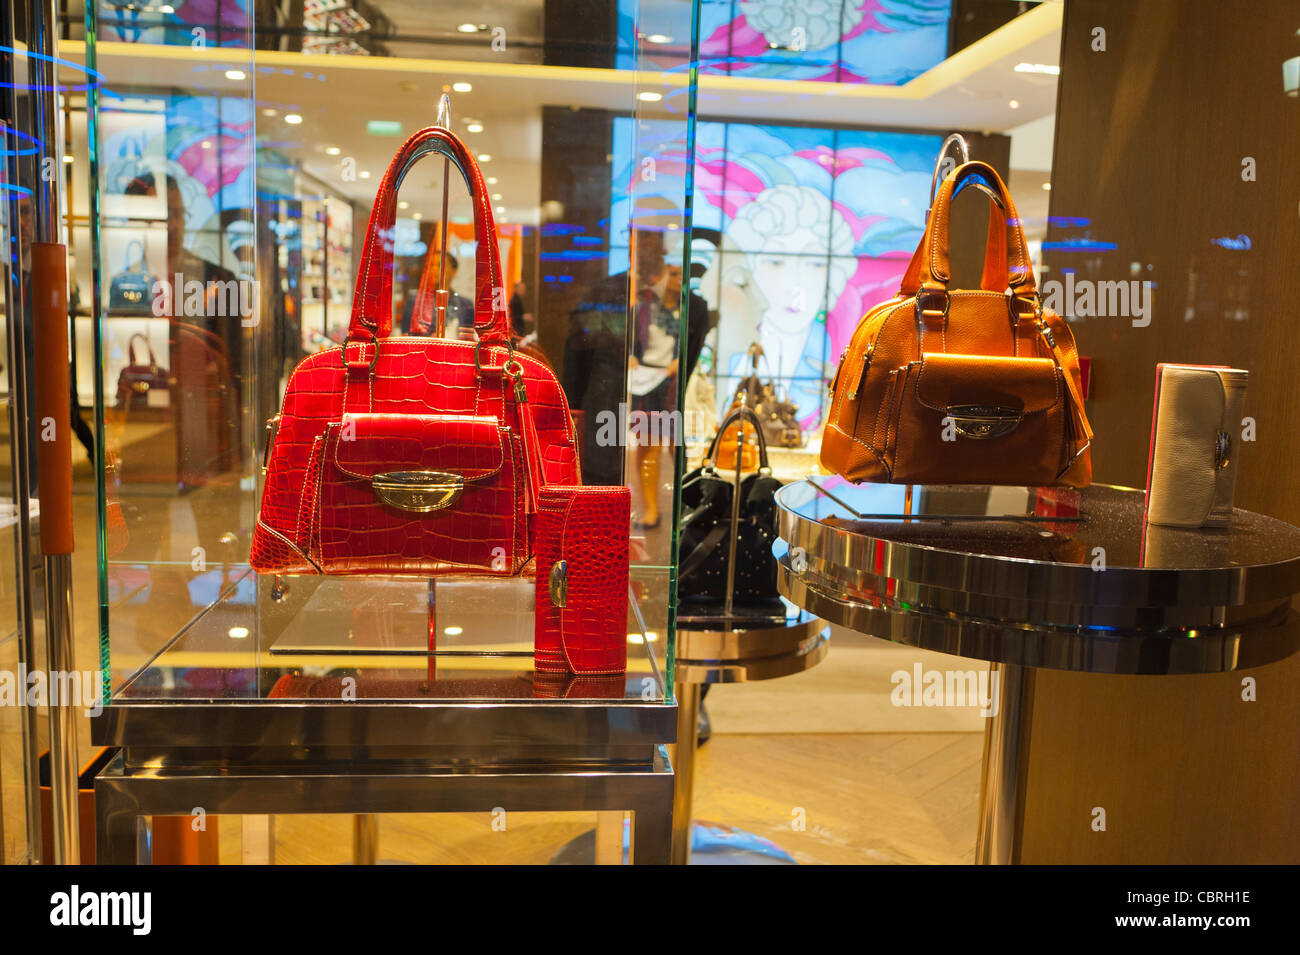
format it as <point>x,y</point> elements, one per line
<point>933,268</point>
<point>735,415</point>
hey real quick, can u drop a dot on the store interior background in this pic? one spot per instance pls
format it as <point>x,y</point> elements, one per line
<point>1114,139</point>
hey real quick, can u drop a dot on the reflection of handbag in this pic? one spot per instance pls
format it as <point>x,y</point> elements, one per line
<point>1192,467</point>
<point>414,456</point>
<point>778,416</point>
<point>943,386</point>
<point>705,529</point>
<point>205,402</point>
<point>138,379</point>
<point>131,289</point>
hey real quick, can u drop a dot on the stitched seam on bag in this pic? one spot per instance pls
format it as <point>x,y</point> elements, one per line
<point>1023,272</point>
<point>292,546</point>
<point>858,441</point>
<point>892,425</point>
<point>303,496</point>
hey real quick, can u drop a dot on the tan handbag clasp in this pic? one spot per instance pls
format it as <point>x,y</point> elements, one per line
<point>984,421</point>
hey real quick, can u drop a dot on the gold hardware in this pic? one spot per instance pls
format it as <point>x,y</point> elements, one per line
<point>559,583</point>
<point>515,371</point>
<point>418,491</point>
<point>983,421</point>
<point>1222,450</point>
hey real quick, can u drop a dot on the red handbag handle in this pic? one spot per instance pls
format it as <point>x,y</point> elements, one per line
<point>930,268</point>
<point>372,305</point>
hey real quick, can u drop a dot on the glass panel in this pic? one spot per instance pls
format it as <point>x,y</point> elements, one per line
<point>237,174</point>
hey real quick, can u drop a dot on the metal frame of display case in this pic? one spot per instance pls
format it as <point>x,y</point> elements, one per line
<point>268,757</point>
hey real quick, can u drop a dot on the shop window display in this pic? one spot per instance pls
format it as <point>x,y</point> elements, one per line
<point>455,396</point>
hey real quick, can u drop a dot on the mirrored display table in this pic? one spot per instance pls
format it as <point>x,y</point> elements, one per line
<point>1038,577</point>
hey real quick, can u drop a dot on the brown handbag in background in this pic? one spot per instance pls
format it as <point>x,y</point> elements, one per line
<point>948,386</point>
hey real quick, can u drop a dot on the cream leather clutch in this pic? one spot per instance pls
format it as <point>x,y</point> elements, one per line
<point>1195,436</point>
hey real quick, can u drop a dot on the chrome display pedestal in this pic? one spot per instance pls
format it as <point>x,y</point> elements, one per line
<point>714,648</point>
<point>1027,578</point>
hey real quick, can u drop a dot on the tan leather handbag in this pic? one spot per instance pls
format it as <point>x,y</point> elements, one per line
<point>948,386</point>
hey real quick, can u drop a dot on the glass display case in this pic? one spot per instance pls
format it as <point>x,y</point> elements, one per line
<point>234,184</point>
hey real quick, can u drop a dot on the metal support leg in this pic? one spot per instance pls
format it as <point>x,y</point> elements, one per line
<point>365,839</point>
<point>688,717</point>
<point>1006,767</point>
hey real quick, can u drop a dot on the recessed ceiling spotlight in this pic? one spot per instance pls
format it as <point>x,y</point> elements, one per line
<point>659,38</point>
<point>1047,187</point>
<point>649,97</point>
<point>496,197</point>
<point>293,119</point>
<point>491,180</point>
<point>484,157</point>
<point>501,209</point>
<point>268,111</point>
<point>67,159</point>
<point>238,633</point>
<point>207,144</point>
<point>462,87</point>
<point>236,75</point>
<point>332,150</point>
<point>474,127</point>
<point>468,28</point>
<point>417,216</point>
<point>364,174</point>
<point>403,204</point>
<point>453,631</point>
<point>1014,104</point>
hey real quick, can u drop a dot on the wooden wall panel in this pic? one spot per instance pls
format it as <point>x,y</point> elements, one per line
<point>1150,143</point>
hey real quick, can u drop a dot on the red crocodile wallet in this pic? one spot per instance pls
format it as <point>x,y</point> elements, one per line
<point>581,539</point>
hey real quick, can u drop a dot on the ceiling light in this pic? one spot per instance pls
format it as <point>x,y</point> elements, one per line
<point>1047,187</point>
<point>418,216</point>
<point>461,87</point>
<point>484,157</point>
<point>474,127</point>
<point>468,28</point>
<point>166,8</point>
<point>236,75</point>
<point>1014,104</point>
<point>496,197</point>
<point>453,631</point>
<point>268,112</point>
<point>67,159</point>
<point>649,97</point>
<point>237,633</point>
<point>364,174</point>
<point>1046,68</point>
<point>403,204</point>
<point>491,180</point>
<point>332,150</point>
<point>207,144</point>
<point>658,38</point>
<point>293,119</point>
<point>501,209</point>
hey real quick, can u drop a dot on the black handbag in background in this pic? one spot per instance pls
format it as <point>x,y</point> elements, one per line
<point>704,536</point>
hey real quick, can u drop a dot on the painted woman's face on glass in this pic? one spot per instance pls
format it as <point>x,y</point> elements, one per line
<point>791,274</point>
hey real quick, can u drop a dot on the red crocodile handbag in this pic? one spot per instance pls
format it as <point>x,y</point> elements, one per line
<point>412,455</point>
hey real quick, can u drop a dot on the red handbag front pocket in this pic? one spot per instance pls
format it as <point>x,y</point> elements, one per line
<point>421,495</point>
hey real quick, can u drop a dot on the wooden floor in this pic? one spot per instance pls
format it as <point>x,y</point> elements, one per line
<point>830,798</point>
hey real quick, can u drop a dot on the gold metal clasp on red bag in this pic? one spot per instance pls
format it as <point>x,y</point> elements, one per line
<point>418,491</point>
